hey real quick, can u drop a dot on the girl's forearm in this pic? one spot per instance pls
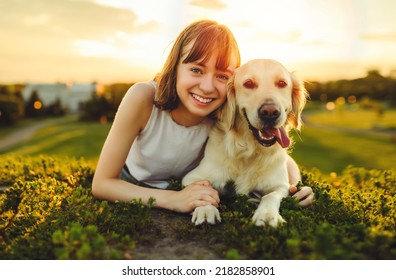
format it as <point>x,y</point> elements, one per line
<point>293,171</point>
<point>119,190</point>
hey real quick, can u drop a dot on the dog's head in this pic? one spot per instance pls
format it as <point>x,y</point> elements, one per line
<point>265,96</point>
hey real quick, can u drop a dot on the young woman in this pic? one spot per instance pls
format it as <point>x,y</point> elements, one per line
<point>161,127</point>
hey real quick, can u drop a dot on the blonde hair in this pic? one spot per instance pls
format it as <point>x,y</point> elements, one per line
<point>209,36</point>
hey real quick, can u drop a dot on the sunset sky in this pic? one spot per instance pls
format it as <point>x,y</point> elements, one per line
<point>128,40</point>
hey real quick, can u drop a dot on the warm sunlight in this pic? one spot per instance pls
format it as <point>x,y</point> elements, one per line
<point>117,40</point>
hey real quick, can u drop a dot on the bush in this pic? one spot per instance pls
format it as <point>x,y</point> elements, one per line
<point>47,212</point>
<point>9,112</point>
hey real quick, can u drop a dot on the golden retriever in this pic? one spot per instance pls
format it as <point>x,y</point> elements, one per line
<point>248,144</point>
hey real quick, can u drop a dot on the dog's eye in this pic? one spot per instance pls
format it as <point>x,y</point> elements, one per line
<point>249,84</point>
<point>282,84</point>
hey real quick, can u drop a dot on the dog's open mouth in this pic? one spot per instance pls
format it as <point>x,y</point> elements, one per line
<point>269,136</point>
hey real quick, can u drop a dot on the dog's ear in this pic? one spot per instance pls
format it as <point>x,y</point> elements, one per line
<point>226,114</point>
<point>299,98</point>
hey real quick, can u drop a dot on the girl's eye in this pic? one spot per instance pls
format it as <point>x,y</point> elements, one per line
<point>196,71</point>
<point>282,84</point>
<point>223,77</point>
<point>249,84</point>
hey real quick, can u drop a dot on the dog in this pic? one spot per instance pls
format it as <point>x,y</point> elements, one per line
<point>249,142</point>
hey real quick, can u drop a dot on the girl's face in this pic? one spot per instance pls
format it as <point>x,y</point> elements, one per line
<point>201,87</point>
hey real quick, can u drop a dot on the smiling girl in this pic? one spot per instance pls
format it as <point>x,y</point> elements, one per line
<point>161,126</point>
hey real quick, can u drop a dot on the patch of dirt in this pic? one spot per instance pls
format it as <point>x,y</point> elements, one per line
<point>164,241</point>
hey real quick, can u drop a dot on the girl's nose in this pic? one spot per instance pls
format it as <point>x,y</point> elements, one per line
<point>207,84</point>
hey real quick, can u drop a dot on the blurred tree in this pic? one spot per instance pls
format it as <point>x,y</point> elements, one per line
<point>104,104</point>
<point>11,105</point>
<point>34,106</point>
<point>115,92</point>
<point>374,86</point>
<point>55,109</point>
<point>96,109</point>
<point>8,112</point>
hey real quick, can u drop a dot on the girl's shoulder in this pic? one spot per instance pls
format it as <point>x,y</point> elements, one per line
<point>140,96</point>
<point>138,102</point>
<point>142,92</point>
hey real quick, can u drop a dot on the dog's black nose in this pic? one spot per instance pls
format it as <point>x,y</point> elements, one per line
<point>269,112</point>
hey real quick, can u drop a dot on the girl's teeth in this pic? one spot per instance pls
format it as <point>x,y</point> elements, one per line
<point>201,99</point>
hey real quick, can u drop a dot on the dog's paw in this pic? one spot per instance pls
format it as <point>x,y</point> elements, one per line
<point>207,214</point>
<point>271,217</point>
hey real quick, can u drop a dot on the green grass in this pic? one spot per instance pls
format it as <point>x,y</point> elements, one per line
<point>332,151</point>
<point>332,140</point>
<point>7,129</point>
<point>69,137</point>
<point>352,117</point>
<point>322,148</point>
<point>48,212</point>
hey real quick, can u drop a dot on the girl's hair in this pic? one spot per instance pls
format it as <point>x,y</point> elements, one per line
<point>209,36</point>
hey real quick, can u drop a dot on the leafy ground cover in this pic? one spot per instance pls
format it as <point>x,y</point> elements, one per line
<point>47,212</point>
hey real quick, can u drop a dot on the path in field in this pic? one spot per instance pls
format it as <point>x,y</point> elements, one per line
<point>24,133</point>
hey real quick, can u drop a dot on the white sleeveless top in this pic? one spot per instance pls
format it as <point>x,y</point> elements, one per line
<point>165,149</point>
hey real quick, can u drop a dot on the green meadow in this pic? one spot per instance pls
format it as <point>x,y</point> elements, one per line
<point>67,137</point>
<point>328,142</point>
<point>354,118</point>
<point>47,210</point>
<point>332,151</point>
<point>332,140</point>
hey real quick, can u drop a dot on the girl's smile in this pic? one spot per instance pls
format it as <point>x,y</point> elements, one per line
<point>201,100</point>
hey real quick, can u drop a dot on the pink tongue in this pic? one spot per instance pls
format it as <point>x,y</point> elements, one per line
<point>281,137</point>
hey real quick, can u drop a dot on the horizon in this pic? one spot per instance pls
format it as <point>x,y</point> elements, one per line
<point>117,41</point>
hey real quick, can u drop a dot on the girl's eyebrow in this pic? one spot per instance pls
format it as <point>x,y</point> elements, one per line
<point>201,64</point>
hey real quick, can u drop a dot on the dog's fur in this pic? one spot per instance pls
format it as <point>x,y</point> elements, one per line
<point>261,96</point>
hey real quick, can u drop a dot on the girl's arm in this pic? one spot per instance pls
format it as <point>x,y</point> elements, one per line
<point>305,195</point>
<point>131,118</point>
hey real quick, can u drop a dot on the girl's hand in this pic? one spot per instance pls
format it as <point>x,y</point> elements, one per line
<point>304,196</point>
<point>200,193</point>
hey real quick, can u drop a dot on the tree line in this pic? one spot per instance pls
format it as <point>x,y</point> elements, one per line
<point>100,107</point>
<point>374,87</point>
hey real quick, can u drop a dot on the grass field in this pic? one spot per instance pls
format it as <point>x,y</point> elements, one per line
<point>5,130</point>
<point>47,210</point>
<point>332,140</point>
<point>327,146</point>
<point>352,117</point>
<point>332,151</point>
<point>67,138</point>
